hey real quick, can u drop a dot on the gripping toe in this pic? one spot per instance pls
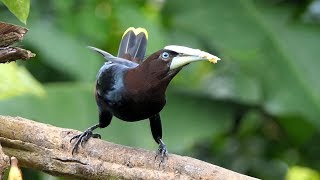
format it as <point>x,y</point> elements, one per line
<point>162,152</point>
<point>83,138</point>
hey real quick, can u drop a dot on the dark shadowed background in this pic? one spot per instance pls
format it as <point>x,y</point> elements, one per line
<point>255,112</point>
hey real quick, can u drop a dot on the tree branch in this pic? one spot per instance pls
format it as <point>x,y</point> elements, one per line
<point>47,148</point>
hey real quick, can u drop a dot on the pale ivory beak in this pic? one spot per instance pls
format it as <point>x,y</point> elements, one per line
<point>187,55</point>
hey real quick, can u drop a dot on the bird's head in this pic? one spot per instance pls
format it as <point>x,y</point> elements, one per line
<point>167,62</point>
<point>156,71</point>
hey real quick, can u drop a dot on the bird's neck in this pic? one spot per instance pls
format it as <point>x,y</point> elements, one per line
<point>143,81</point>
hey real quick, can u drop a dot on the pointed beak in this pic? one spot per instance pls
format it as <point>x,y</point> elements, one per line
<point>187,55</point>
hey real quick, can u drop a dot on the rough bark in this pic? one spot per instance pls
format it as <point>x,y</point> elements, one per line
<point>47,148</point>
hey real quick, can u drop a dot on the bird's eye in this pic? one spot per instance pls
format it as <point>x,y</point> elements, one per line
<point>165,55</point>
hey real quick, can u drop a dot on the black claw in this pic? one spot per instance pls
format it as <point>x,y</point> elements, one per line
<point>83,138</point>
<point>74,137</point>
<point>79,141</point>
<point>162,152</point>
<point>82,141</point>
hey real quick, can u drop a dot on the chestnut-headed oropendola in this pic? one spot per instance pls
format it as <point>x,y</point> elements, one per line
<point>133,88</point>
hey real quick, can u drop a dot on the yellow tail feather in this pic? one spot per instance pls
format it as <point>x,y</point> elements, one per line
<point>136,31</point>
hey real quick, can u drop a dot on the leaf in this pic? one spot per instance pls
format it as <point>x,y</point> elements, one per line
<point>16,81</point>
<point>301,173</point>
<point>185,119</point>
<point>262,51</point>
<point>20,8</point>
<point>10,34</point>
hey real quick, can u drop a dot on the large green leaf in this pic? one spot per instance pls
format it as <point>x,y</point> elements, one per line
<point>20,8</point>
<point>301,173</point>
<point>267,58</point>
<point>185,119</point>
<point>16,80</point>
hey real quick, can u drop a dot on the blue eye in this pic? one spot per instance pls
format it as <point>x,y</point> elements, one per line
<point>165,55</point>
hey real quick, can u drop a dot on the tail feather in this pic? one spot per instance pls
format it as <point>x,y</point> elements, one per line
<point>133,44</point>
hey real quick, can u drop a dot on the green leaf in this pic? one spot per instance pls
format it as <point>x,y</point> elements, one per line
<point>16,80</point>
<point>267,58</point>
<point>20,8</point>
<point>185,118</point>
<point>302,173</point>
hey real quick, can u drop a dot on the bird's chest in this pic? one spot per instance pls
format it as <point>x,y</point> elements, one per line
<point>135,106</point>
<point>129,99</point>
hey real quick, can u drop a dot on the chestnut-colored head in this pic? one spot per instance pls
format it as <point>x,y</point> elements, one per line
<point>156,72</point>
<point>153,75</point>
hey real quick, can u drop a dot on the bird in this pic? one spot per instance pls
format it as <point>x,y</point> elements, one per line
<point>132,87</point>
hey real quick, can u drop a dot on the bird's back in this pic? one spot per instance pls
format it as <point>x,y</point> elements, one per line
<point>111,91</point>
<point>133,48</point>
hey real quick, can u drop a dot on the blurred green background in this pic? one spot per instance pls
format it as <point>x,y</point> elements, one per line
<point>255,112</point>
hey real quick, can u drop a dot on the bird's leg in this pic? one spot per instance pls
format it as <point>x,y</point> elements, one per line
<point>104,120</point>
<point>156,129</point>
<point>83,137</point>
<point>162,151</point>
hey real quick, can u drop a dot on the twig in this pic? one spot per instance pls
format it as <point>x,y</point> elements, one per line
<point>47,148</point>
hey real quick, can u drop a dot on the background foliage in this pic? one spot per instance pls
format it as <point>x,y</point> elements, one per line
<point>255,112</point>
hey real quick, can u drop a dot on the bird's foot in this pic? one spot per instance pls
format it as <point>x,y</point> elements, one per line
<point>162,152</point>
<point>84,137</point>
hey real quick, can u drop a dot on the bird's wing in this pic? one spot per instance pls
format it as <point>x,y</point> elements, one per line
<point>133,44</point>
